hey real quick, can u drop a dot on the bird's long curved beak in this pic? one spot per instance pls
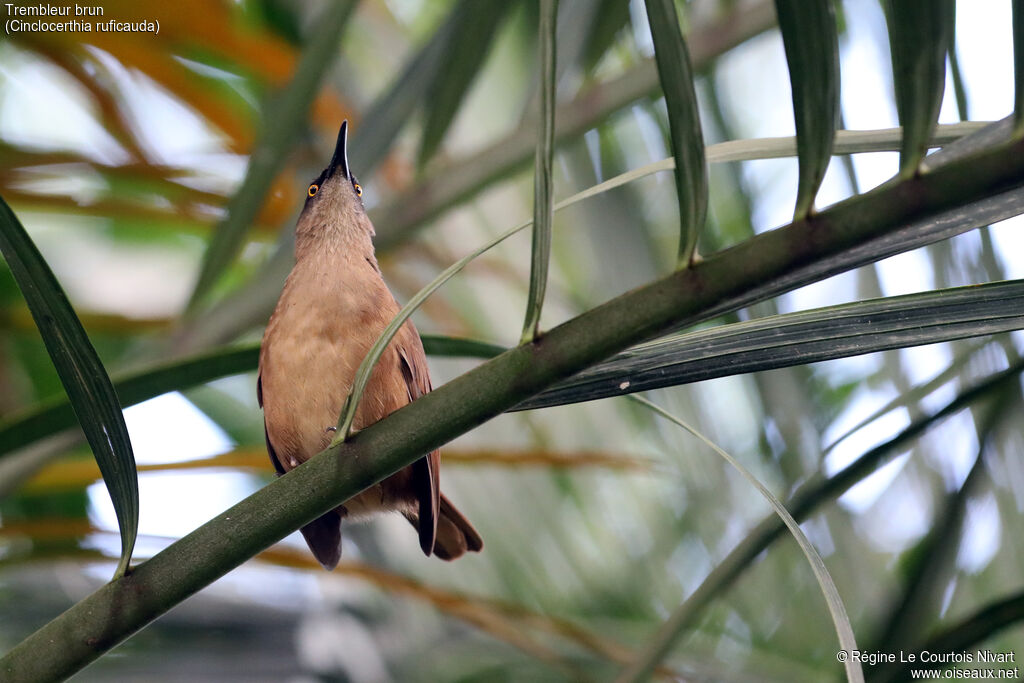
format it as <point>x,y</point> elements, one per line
<point>339,162</point>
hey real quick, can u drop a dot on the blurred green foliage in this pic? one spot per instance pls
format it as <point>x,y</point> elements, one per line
<point>121,156</point>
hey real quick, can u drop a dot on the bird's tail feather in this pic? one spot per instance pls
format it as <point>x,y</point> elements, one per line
<point>455,535</point>
<point>323,536</point>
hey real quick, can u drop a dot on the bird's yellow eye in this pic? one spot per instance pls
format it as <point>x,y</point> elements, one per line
<point>313,189</point>
<point>359,189</point>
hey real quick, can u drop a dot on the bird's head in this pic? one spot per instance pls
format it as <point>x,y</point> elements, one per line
<point>334,205</point>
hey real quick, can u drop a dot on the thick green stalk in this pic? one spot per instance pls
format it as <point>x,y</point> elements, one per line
<point>765,264</point>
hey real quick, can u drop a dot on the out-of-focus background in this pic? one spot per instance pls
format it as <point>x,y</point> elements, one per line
<point>120,153</point>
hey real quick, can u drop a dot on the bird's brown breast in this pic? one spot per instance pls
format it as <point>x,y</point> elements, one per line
<point>328,317</point>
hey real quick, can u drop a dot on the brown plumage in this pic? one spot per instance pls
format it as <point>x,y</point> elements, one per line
<point>333,307</point>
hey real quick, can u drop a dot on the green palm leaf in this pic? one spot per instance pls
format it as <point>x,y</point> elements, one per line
<point>90,393</point>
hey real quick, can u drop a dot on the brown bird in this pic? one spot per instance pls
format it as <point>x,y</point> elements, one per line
<point>333,307</point>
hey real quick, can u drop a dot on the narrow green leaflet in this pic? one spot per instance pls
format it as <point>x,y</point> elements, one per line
<point>284,120</point>
<point>457,347</point>
<point>88,388</point>
<point>477,22</point>
<point>574,19</point>
<point>543,211</point>
<point>1018,67</point>
<point>676,76</point>
<point>920,34</point>
<point>798,338</point>
<point>670,631</point>
<point>959,90</point>
<point>812,51</point>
